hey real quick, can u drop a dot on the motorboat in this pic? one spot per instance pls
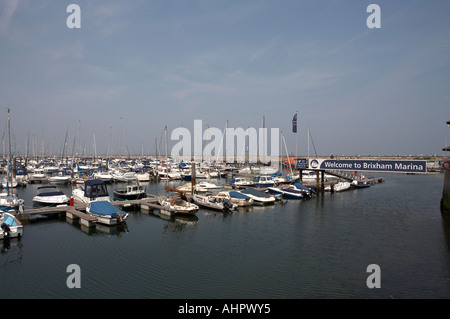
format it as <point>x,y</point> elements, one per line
<point>240,182</point>
<point>11,227</point>
<point>10,202</point>
<point>106,213</point>
<point>130,192</point>
<point>263,181</point>
<point>168,174</point>
<point>206,186</point>
<point>178,205</point>
<point>212,202</point>
<point>98,202</point>
<point>37,176</point>
<point>293,191</point>
<point>338,187</point>
<point>21,175</point>
<point>93,190</point>
<point>259,197</point>
<point>142,176</point>
<point>59,177</point>
<point>126,177</point>
<point>104,176</point>
<point>50,196</point>
<point>236,197</point>
<point>360,184</point>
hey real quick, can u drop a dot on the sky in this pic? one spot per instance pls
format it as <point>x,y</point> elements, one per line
<point>135,67</point>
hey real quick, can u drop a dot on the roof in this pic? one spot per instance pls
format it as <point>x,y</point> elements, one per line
<point>91,182</point>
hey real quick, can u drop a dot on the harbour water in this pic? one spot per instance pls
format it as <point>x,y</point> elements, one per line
<point>316,248</point>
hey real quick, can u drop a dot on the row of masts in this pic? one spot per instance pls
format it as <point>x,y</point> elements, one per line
<point>81,152</point>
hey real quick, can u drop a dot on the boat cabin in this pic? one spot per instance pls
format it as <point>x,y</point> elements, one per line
<point>94,188</point>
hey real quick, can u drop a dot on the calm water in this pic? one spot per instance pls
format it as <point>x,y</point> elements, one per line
<point>319,248</point>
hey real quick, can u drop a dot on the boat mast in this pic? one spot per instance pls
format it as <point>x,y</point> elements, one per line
<point>308,144</point>
<point>10,179</point>
<point>64,146</point>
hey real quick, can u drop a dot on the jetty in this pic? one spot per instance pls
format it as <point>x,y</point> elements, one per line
<point>78,210</point>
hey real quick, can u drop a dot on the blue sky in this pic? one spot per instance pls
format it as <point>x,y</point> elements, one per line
<point>143,65</point>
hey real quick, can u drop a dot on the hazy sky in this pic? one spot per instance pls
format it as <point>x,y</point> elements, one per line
<point>143,65</point>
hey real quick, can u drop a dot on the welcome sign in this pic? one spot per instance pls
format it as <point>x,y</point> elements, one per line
<point>394,166</point>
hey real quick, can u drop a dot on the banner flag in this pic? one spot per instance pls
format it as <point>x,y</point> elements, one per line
<point>294,124</point>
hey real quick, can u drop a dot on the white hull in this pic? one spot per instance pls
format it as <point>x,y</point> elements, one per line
<point>59,180</point>
<point>15,231</point>
<point>50,200</point>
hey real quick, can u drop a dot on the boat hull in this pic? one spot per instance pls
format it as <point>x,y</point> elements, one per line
<point>106,213</point>
<point>11,227</point>
<point>128,196</point>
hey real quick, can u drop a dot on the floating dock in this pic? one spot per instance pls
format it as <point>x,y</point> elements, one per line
<point>78,210</point>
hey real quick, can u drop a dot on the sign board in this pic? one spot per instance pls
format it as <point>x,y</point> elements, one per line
<point>301,163</point>
<point>393,166</point>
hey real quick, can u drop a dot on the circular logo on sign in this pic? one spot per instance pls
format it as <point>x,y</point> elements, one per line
<point>314,164</point>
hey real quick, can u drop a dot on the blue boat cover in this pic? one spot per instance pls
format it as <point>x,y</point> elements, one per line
<point>238,195</point>
<point>104,208</point>
<point>255,192</point>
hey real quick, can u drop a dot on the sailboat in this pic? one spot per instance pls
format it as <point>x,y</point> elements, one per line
<point>10,202</point>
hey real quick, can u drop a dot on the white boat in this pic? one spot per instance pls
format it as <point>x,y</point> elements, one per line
<point>50,196</point>
<point>59,177</point>
<point>168,174</point>
<point>98,203</point>
<point>264,181</point>
<point>259,197</point>
<point>294,191</point>
<point>104,176</point>
<point>177,205</point>
<point>9,183</point>
<point>206,186</point>
<point>92,190</point>
<point>11,227</point>
<point>338,187</point>
<point>106,213</point>
<point>21,175</point>
<point>37,176</point>
<point>212,202</point>
<point>130,192</point>
<point>239,182</point>
<point>10,202</point>
<point>360,184</point>
<point>143,176</point>
<point>236,197</point>
<point>124,177</point>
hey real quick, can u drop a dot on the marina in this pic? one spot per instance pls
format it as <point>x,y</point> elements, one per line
<point>224,150</point>
<point>314,248</point>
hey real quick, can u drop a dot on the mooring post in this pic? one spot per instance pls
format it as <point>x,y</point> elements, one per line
<point>192,177</point>
<point>322,180</point>
<point>317,181</point>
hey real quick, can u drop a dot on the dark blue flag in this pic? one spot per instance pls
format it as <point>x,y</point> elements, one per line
<point>294,123</point>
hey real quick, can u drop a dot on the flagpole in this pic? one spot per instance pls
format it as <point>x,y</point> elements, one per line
<point>296,135</point>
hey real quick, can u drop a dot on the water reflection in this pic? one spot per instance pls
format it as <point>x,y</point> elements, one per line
<point>180,223</point>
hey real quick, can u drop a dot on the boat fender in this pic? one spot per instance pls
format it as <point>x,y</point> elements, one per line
<point>446,165</point>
